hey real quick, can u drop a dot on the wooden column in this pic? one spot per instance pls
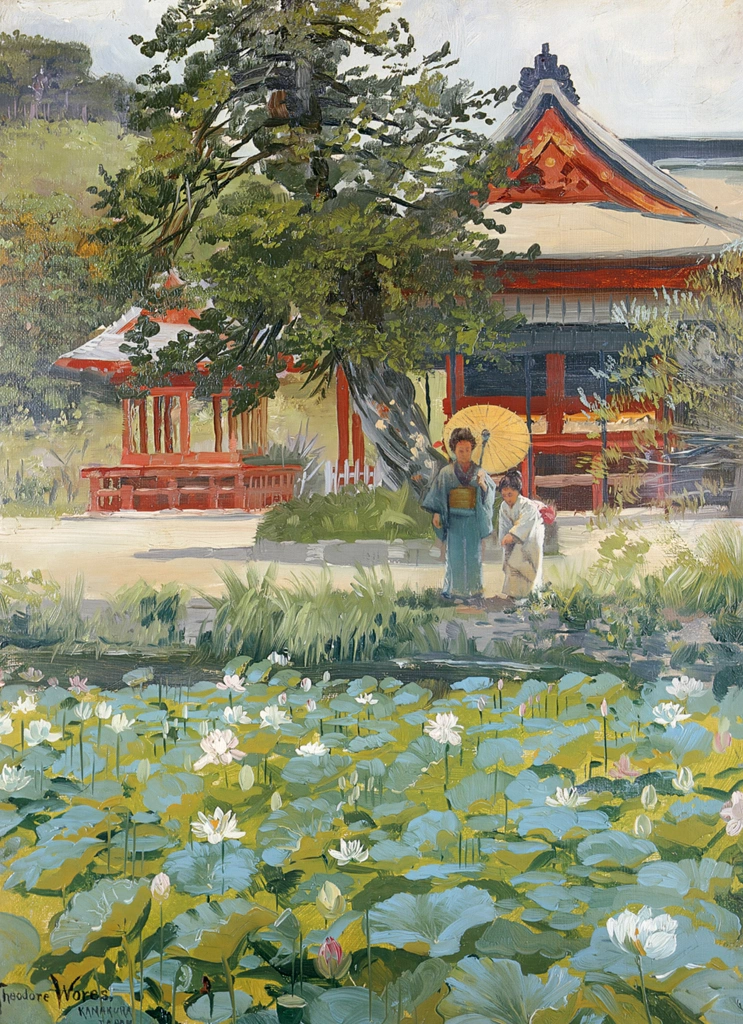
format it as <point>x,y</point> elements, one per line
<point>526,485</point>
<point>555,392</point>
<point>231,427</point>
<point>168,423</point>
<point>144,445</point>
<point>217,416</point>
<point>185,423</point>
<point>157,422</point>
<point>245,431</point>
<point>126,427</point>
<point>459,378</point>
<point>357,439</point>
<point>342,409</point>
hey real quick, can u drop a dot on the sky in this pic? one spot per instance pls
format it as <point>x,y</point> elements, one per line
<point>642,67</point>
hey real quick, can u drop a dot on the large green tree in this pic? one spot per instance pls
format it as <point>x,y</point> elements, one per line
<point>337,183</point>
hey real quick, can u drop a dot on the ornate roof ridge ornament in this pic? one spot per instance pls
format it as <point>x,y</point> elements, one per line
<point>545,67</point>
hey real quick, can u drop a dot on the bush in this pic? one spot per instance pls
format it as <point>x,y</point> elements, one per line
<point>711,580</point>
<point>355,513</point>
<point>316,623</point>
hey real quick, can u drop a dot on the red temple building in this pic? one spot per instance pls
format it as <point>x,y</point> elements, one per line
<point>615,231</point>
<point>159,467</point>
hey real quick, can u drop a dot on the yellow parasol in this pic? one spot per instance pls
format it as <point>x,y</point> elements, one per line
<point>501,436</point>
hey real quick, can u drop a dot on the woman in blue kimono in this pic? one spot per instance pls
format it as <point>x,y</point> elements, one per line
<point>462,498</point>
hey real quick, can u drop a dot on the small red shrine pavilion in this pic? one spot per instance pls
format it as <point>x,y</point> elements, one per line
<point>159,469</point>
<point>615,232</point>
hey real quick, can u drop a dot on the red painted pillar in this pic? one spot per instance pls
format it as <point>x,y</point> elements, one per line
<point>555,392</point>
<point>357,440</point>
<point>343,406</point>
<point>449,392</point>
<point>459,378</point>
<point>526,483</point>
<point>126,428</point>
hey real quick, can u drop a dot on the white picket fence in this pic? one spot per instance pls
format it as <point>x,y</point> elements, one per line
<point>339,475</point>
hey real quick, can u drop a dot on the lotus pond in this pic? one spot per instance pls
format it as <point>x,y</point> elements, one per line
<point>280,848</point>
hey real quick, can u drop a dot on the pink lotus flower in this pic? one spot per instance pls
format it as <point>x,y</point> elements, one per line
<point>78,685</point>
<point>52,681</point>
<point>330,962</point>
<point>732,813</point>
<point>721,742</point>
<point>219,747</point>
<point>622,769</point>
<point>233,683</point>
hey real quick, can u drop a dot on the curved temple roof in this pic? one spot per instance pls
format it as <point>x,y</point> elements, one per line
<point>567,157</point>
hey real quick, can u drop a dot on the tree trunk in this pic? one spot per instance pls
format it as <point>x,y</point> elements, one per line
<point>735,508</point>
<point>394,423</point>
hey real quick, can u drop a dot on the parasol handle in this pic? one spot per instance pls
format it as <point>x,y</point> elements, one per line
<point>485,438</point>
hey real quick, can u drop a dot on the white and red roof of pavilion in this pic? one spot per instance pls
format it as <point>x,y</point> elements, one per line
<point>103,354</point>
<point>587,194</point>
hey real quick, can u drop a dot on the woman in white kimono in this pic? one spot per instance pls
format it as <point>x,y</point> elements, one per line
<point>521,535</point>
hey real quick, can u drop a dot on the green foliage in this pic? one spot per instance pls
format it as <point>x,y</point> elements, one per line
<point>315,622</point>
<point>51,292</point>
<point>354,513</point>
<point>712,579</point>
<point>49,78</point>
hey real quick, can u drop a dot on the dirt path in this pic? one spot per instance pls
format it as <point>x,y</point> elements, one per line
<point>111,552</point>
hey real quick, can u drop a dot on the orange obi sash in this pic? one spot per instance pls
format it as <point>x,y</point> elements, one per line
<point>462,498</point>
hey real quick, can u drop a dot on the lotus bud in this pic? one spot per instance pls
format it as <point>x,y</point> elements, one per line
<point>143,771</point>
<point>330,901</point>
<point>643,826</point>
<point>166,729</point>
<point>203,728</point>
<point>370,784</point>
<point>343,783</point>
<point>311,705</point>
<point>185,712</point>
<point>276,801</point>
<point>724,725</point>
<point>306,684</point>
<point>246,778</point>
<point>550,688</point>
<point>500,684</point>
<point>522,709</point>
<point>187,762</point>
<point>160,887</point>
<point>481,704</point>
<point>721,742</point>
<point>684,781</point>
<point>282,698</point>
<point>330,962</point>
<point>604,708</point>
<point>649,798</point>
<point>326,677</point>
<point>353,778</point>
<point>354,795</point>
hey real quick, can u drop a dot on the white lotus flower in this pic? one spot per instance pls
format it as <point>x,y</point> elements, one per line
<point>160,886</point>
<point>568,797</point>
<point>732,813</point>
<point>236,716</point>
<point>219,747</point>
<point>274,717</point>
<point>6,725</point>
<point>669,714</point>
<point>120,722</point>
<point>443,729</point>
<point>40,731</point>
<point>312,750</point>
<point>643,826</point>
<point>649,798</point>
<point>13,779</point>
<point>233,683</point>
<point>103,710</point>
<point>83,712</point>
<point>278,659</point>
<point>215,829</point>
<point>644,935</point>
<point>366,698</point>
<point>684,781</point>
<point>25,705</point>
<point>683,687</point>
<point>306,684</point>
<point>350,851</point>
